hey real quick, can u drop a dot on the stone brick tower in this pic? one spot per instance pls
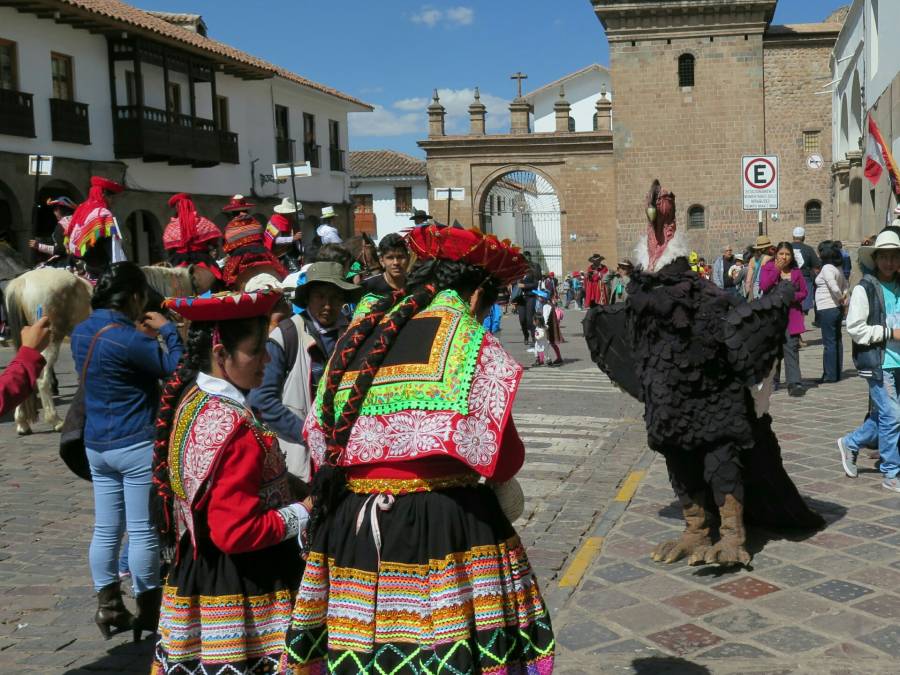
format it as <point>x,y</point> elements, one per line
<point>689,83</point>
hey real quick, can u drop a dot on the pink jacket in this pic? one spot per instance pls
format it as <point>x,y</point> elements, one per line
<point>17,381</point>
<point>769,278</point>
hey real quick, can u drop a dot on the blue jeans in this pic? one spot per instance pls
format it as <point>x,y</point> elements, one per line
<point>832,341</point>
<point>122,481</point>
<point>883,426</point>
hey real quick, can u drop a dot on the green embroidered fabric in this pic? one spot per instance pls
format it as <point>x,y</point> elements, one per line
<point>441,385</point>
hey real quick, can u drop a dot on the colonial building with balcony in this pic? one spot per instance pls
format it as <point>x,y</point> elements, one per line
<point>149,99</point>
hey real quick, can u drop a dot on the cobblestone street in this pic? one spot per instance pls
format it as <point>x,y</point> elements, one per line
<point>598,501</point>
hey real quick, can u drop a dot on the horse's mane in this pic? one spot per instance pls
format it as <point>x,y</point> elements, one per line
<point>169,282</point>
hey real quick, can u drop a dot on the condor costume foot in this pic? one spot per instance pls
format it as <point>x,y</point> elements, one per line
<point>694,541</point>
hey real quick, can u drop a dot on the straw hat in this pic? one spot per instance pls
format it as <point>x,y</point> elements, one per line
<point>887,240</point>
<point>288,206</point>
<point>763,242</point>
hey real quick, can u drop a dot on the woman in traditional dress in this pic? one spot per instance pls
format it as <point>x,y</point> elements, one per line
<point>223,500</point>
<point>93,234</point>
<point>415,568</point>
<point>245,246</point>
<point>189,238</point>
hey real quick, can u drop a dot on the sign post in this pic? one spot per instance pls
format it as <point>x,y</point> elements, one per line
<point>291,171</point>
<point>38,165</point>
<point>759,180</point>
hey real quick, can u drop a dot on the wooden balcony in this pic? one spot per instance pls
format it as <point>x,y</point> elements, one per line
<point>69,121</point>
<point>283,150</point>
<point>16,113</point>
<point>337,159</point>
<point>228,147</point>
<point>311,154</point>
<point>155,135</point>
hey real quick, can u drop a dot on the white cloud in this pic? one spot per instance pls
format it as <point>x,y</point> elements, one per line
<point>409,115</point>
<point>453,16</point>
<point>384,122</point>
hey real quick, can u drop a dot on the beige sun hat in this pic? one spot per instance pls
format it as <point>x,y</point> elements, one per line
<point>887,240</point>
<point>288,206</point>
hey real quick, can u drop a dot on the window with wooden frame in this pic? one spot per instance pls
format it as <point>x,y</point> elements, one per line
<point>222,112</point>
<point>62,72</point>
<point>9,67</point>
<point>174,100</point>
<point>686,64</point>
<point>282,126</point>
<point>334,134</point>
<point>132,85</point>
<point>402,200</point>
<point>362,204</point>
<point>309,129</point>
<point>811,142</point>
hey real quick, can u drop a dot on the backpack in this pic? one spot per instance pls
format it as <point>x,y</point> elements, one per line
<point>291,338</point>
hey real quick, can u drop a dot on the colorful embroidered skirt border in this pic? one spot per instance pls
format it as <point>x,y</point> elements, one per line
<point>453,592</point>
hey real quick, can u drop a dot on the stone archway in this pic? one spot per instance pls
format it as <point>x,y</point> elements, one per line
<point>521,204</point>
<point>10,217</point>
<point>142,238</point>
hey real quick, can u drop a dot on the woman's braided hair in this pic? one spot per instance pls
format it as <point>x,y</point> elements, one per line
<point>330,481</point>
<point>197,358</point>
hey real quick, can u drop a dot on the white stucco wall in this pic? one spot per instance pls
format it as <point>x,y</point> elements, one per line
<point>251,115</point>
<point>848,66</point>
<point>882,17</point>
<point>387,220</point>
<point>582,93</point>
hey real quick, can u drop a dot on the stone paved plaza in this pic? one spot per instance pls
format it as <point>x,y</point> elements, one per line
<point>826,603</point>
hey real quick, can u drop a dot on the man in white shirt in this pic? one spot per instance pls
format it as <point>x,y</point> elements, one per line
<point>327,232</point>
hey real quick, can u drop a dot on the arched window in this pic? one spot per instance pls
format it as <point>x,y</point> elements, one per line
<point>812,212</point>
<point>696,217</point>
<point>571,124</point>
<point>686,70</point>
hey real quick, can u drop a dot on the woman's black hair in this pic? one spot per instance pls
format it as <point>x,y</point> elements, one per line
<point>197,358</point>
<point>334,253</point>
<point>789,246</point>
<point>118,285</point>
<point>830,253</point>
<point>392,242</point>
<point>329,486</point>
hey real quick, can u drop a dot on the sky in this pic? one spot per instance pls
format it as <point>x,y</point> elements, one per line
<point>394,53</point>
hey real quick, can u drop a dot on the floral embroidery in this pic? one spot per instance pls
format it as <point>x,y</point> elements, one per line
<point>417,432</point>
<point>366,440</point>
<point>475,441</point>
<point>214,424</point>
<point>495,381</point>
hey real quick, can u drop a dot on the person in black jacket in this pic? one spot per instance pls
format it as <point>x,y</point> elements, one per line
<point>524,300</point>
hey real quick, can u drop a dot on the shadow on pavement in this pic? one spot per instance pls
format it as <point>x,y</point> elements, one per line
<point>667,665</point>
<point>124,659</point>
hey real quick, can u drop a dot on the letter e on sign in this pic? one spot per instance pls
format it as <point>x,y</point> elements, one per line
<point>759,177</point>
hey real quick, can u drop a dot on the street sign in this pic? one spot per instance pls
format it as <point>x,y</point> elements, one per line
<point>759,176</point>
<point>456,194</point>
<point>282,172</point>
<point>40,165</point>
<point>815,161</point>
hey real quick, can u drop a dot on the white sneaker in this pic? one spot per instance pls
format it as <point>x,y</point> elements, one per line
<point>892,484</point>
<point>848,459</point>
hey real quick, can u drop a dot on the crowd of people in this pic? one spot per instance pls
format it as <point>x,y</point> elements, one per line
<point>315,469</point>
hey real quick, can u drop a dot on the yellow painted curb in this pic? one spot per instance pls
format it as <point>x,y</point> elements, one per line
<point>583,558</point>
<point>630,486</point>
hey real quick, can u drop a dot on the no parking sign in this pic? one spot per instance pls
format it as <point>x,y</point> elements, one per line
<point>759,176</point>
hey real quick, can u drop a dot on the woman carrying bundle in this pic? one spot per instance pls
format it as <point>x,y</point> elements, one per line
<point>414,565</point>
<point>221,498</point>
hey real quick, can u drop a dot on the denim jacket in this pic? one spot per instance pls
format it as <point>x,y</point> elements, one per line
<point>121,390</point>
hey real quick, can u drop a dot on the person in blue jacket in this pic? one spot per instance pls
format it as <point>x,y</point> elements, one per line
<point>121,392</point>
<point>491,322</point>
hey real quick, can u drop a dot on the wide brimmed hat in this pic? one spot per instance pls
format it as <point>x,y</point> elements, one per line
<point>625,262</point>
<point>887,240</point>
<point>763,241</point>
<point>224,306</point>
<point>263,282</point>
<point>288,206</point>
<point>63,202</point>
<point>327,212</point>
<point>419,213</point>
<point>326,273</point>
<point>179,197</point>
<point>501,259</point>
<point>541,293</point>
<point>238,203</point>
<point>107,185</point>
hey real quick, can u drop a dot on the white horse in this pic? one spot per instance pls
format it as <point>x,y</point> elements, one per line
<point>66,299</point>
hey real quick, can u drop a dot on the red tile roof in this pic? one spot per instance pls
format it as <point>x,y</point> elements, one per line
<point>119,15</point>
<point>384,164</point>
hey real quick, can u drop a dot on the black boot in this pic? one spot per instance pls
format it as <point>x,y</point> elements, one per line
<point>147,619</point>
<point>112,615</point>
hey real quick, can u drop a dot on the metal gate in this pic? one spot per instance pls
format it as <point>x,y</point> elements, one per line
<point>523,206</point>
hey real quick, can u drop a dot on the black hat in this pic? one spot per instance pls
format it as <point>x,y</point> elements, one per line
<point>418,213</point>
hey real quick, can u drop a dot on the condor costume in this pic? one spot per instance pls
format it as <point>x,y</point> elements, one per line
<point>418,570</point>
<point>696,356</point>
<point>228,597</point>
<point>189,236</point>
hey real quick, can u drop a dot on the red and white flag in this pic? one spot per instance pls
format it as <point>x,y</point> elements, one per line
<point>879,158</point>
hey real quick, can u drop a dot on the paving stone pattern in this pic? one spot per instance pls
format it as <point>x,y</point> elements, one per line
<point>826,602</point>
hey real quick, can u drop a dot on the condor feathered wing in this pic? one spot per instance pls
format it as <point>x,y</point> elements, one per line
<point>608,337</point>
